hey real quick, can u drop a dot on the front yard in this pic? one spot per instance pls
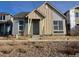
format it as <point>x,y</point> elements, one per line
<point>38,48</point>
<point>47,46</point>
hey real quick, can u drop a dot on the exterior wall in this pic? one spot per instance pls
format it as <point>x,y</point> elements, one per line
<point>68,22</point>
<point>8,17</point>
<point>68,17</point>
<point>50,15</point>
<point>15,27</point>
<point>76,27</point>
<point>46,11</point>
<point>26,27</point>
<point>56,16</point>
<point>72,21</point>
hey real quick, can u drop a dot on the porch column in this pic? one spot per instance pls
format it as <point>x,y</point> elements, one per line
<point>41,26</point>
<point>29,26</point>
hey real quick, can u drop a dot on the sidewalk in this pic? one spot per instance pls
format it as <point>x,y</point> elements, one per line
<point>37,38</point>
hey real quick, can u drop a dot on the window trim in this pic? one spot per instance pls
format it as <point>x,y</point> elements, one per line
<point>58,26</point>
<point>76,14</point>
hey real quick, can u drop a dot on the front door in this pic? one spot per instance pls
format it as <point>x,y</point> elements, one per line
<point>35,27</point>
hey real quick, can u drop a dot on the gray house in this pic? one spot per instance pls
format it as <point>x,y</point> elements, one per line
<point>5,23</point>
<point>20,24</point>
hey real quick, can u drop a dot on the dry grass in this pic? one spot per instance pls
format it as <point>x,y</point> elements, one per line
<point>40,49</point>
<point>23,48</point>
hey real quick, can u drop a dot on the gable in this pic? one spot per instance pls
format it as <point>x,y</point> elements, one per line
<point>56,10</point>
<point>34,15</point>
<point>45,9</point>
<point>56,16</point>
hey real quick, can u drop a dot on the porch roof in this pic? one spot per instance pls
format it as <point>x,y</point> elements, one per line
<point>35,14</point>
<point>39,13</point>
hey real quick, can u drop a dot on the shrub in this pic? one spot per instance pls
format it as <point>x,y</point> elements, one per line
<point>6,49</point>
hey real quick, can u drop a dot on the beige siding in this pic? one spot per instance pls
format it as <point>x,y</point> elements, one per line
<point>50,15</point>
<point>33,15</point>
<point>46,11</point>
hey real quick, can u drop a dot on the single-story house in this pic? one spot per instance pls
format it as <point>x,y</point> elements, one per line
<point>44,20</point>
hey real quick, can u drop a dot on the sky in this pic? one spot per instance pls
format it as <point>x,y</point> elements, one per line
<point>14,7</point>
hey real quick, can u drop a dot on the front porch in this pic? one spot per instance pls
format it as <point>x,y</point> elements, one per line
<point>35,23</point>
<point>34,27</point>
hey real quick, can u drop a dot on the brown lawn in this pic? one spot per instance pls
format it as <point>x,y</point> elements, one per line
<point>47,46</point>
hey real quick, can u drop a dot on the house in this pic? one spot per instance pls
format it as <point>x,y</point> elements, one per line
<point>5,23</point>
<point>72,16</point>
<point>44,20</point>
<point>20,24</point>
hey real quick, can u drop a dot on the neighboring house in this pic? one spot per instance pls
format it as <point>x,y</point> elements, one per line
<point>45,20</point>
<point>5,23</point>
<point>73,21</point>
<point>20,24</point>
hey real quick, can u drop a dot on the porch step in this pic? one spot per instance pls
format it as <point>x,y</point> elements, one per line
<point>35,36</point>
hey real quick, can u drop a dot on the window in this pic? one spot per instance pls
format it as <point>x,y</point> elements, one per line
<point>21,26</point>
<point>58,26</point>
<point>21,22</point>
<point>77,14</point>
<point>2,17</point>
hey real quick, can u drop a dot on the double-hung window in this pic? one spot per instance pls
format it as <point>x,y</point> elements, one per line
<point>58,26</point>
<point>77,14</point>
<point>21,27</point>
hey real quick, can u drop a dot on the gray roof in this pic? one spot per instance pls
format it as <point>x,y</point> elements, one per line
<point>21,14</point>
